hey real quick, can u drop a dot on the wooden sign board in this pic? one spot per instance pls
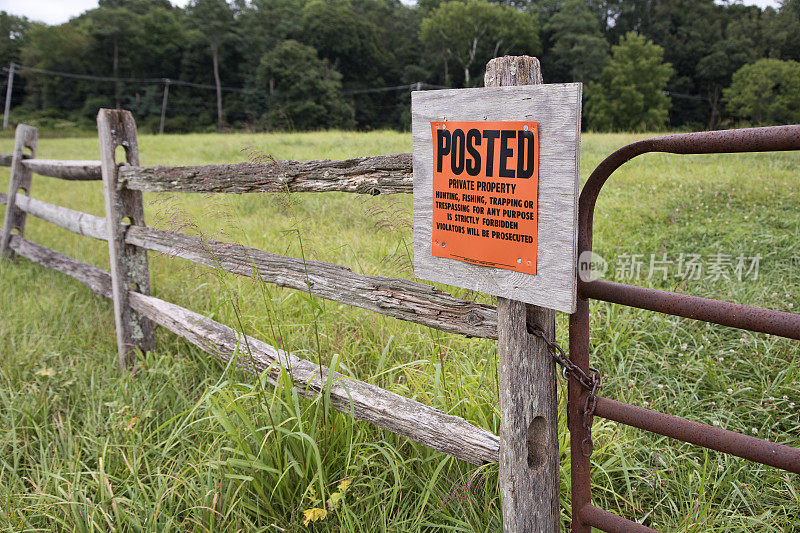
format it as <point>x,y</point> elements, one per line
<point>496,188</point>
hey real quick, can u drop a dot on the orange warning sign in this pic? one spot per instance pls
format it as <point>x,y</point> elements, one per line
<point>485,186</point>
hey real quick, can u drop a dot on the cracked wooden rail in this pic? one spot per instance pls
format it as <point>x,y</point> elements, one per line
<point>429,426</point>
<point>382,174</point>
<point>396,297</point>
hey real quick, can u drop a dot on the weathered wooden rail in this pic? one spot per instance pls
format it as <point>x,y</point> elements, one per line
<point>66,170</point>
<point>396,297</point>
<point>382,174</point>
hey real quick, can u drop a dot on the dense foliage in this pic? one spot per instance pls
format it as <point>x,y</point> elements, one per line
<point>630,92</point>
<point>767,91</point>
<point>705,64</point>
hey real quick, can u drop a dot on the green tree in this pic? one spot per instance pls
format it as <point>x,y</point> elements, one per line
<point>782,31</point>
<point>160,41</point>
<point>13,33</point>
<point>344,37</point>
<point>132,38</point>
<point>686,30</point>
<point>630,92</point>
<point>579,49</point>
<point>61,48</point>
<point>766,92</point>
<point>215,20</point>
<point>471,33</point>
<point>110,27</point>
<point>370,42</point>
<point>714,70</point>
<point>13,30</point>
<point>269,22</point>
<point>306,93</point>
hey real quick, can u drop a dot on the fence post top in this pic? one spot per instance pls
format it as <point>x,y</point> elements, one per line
<point>120,127</point>
<point>26,136</point>
<point>512,70</point>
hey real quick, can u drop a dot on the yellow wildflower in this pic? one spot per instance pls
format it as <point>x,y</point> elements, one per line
<point>314,514</point>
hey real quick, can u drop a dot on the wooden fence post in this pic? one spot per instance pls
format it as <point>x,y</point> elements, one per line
<point>26,137</point>
<point>529,484</point>
<point>129,267</point>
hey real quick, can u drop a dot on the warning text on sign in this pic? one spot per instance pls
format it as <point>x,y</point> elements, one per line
<point>485,186</point>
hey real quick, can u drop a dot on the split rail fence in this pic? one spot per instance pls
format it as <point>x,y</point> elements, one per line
<point>136,311</point>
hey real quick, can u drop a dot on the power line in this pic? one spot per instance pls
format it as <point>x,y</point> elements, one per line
<point>129,80</point>
<point>418,86</point>
<point>167,82</point>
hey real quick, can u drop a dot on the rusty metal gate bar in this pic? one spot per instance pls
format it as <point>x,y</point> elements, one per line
<point>585,515</point>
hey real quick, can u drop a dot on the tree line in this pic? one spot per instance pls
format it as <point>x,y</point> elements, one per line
<point>315,64</point>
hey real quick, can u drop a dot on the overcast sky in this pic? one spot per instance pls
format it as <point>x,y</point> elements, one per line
<point>58,11</point>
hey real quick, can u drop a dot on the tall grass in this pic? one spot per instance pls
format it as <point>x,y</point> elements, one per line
<point>184,442</point>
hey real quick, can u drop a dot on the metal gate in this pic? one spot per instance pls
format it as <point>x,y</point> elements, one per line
<point>583,404</point>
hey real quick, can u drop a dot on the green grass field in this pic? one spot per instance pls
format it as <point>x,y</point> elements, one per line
<point>183,443</point>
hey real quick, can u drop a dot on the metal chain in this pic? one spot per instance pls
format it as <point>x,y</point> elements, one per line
<point>592,382</point>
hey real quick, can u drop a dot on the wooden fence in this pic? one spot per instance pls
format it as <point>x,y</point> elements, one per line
<point>399,298</point>
<point>528,471</point>
<point>529,489</point>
